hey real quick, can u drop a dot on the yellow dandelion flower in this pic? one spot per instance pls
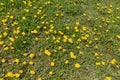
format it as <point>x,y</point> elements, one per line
<point>52,64</point>
<point>108,78</point>
<point>6,48</point>
<point>72,55</point>
<point>34,31</point>
<point>31,62</point>
<point>9,74</point>
<point>5,34</point>
<point>70,40</point>
<point>98,63</point>
<point>17,75</point>
<point>3,60</point>
<point>48,53</point>
<point>1,42</point>
<point>51,73</point>
<point>4,20</point>
<point>66,61</point>
<point>32,55</point>
<point>11,39</point>
<point>77,65</point>
<point>32,72</point>
<point>113,61</point>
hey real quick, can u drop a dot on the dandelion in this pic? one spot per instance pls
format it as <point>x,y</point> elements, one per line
<point>1,42</point>
<point>51,73</point>
<point>17,75</point>
<point>70,40</point>
<point>3,60</point>
<point>34,32</point>
<point>5,34</point>
<point>39,79</point>
<point>66,61</point>
<point>98,63</point>
<point>52,64</point>
<point>32,72</point>
<point>47,53</point>
<point>108,78</point>
<point>77,65</point>
<point>113,61</point>
<point>72,55</point>
<point>32,55</point>
<point>9,74</point>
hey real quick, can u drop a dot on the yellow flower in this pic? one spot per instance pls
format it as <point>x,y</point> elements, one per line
<point>108,78</point>
<point>80,52</point>
<point>23,33</point>
<point>1,42</point>
<point>9,74</point>
<point>113,61</point>
<point>24,62</point>
<point>118,36</point>
<point>4,20</point>
<point>3,60</point>
<point>31,62</point>
<point>1,78</point>
<point>6,48</point>
<point>24,54</point>
<point>84,28</point>
<point>11,39</point>
<point>17,75</point>
<point>16,61</point>
<point>103,63</point>
<point>77,65</point>
<point>5,34</point>
<point>32,72</point>
<point>70,40</point>
<point>34,31</point>
<point>51,73</point>
<point>52,64</point>
<point>72,55</point>
<point>66,61</point>
<point>32,55</point>
<point>23,18</point>
<point>20,71</point>
<point>39,79</point>
<point>77,23</point>
<point>98,63</point>
<point>47,53</point>
<point>36,38</point>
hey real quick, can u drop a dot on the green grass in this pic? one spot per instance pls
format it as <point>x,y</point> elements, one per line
<point>98,37</point>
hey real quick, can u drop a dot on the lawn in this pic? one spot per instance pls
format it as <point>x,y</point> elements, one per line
<point>59,39</point>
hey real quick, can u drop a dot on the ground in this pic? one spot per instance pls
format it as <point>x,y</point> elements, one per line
<point>59,40</point>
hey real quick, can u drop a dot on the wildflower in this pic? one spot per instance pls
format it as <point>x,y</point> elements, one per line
<point>4,20</point>
<point>77,23</point>
<point>34,31</point>
<point>6,48</point>
<point>1,42</point>
<point>103,63</point>
<point>113,61</point>
<point>9,74</point>
<point>51,73</point>
<point>24,62</point>
<point>118,36</point>
<point>32,55</point>
<point>32,72</point>
<point>5,34</point>
<point>84,28</point>
<point>39,79</point>
<point>66,61</point>
<point>23,18</point>
<point>80,52</point>
<point>77,65</point>
<point>20,71</point>
<point>70,40</point>
<point>17,75</point>
<point>31,62</point>
<point>47,53</point>
<point>11,39</point>
<point>108,78</point>
<point>52,64</point>
<point>3,60</point>
<point>72,55</point>
<point>16,61</point>
<point>98,63</point>
<point>24,54</point>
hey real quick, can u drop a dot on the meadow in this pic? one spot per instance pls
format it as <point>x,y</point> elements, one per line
<point>59,39</point>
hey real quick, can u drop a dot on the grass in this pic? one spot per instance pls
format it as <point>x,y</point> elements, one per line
<point>59,40</point>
